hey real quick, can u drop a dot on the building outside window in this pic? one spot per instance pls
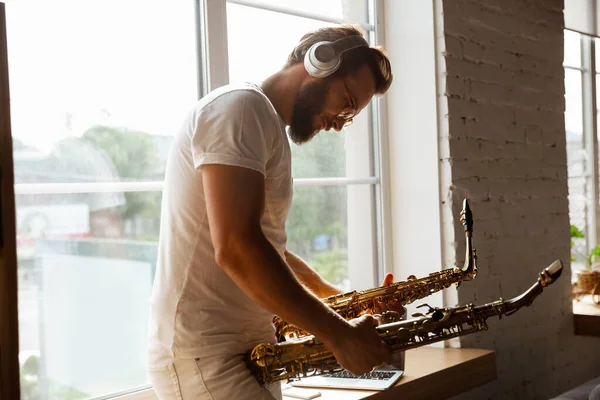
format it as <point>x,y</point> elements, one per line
<point>98,88</point>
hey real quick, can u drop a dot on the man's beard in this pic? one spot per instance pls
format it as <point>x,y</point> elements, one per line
<point>310,101</point>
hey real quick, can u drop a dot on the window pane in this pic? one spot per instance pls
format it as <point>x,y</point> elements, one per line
<point>256,53</point>
<point>336,154</point>
<point>573,105</point>
<point>597,46</point>
<point>84,283</point>
<point>95,96</point>
<point>318,231</point>
<point>578,217</point>
<point>576,159</point>
<point>353,11</point>
<point>329,154</point>
<point>572,49</point>
<point>331,229</point>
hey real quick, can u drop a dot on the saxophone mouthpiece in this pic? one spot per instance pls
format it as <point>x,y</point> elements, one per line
<point>552,272</point>
<point>467,216</point>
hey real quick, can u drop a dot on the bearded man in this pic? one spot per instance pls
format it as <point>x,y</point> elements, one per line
<point>223,267</point>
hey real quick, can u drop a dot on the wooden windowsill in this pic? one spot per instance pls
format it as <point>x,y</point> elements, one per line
<point>586,317</point>
<point>431,373</point>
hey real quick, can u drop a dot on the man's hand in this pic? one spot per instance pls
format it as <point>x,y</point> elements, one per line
<point>387,281</point>
<point>360,348</point>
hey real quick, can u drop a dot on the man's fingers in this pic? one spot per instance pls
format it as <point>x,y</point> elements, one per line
<point>377,318</point>
<point>368,318</point>
<point>371,319</point>
<point>388,280</point>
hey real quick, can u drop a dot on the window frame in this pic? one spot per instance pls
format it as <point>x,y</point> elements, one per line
<point>589,76</point>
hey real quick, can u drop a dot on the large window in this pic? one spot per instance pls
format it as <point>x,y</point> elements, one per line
<point>97,90</point>
<point>581,72</point>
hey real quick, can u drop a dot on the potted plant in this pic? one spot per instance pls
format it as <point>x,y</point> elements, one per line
<point>588,278</point>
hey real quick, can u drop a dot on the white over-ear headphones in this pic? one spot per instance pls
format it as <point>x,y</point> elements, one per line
<point>324,58</point>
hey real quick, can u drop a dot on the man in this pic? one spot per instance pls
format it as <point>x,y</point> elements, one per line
<point>223,267</point>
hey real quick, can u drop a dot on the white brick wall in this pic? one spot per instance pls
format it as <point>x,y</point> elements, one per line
<point>503,147</point>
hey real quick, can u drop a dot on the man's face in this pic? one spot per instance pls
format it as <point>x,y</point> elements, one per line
<point>328,103</point>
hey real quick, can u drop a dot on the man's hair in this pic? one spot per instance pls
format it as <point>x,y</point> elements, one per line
<point>352,60</point>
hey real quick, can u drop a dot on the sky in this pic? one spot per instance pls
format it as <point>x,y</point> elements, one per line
<point>131,63</point>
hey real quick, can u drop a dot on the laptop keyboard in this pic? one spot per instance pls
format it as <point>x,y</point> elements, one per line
<point>373,375</point>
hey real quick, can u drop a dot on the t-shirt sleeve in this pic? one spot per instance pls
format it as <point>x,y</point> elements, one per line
<point>233,130</point>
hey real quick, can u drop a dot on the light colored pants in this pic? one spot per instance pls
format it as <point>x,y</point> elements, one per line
<point>213,378</point>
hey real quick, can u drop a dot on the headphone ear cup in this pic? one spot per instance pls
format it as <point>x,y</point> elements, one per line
<point>320,68</point>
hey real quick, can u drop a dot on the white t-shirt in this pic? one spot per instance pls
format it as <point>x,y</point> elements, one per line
<point>196,310</point>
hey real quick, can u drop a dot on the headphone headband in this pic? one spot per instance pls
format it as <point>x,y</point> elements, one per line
<point>324,58</point>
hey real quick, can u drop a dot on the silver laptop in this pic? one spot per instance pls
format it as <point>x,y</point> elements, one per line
<point>380,379</point>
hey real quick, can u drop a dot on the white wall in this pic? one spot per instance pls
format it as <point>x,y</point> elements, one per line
<point>500,142</point>
<point>413,141</point>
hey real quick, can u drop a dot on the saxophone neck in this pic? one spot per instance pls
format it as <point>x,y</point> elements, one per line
<point>464,314</point>
<point>546,277</point>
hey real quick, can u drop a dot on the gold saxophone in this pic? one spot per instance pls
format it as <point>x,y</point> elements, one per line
<point>356,303</point>
<point>308,356</point>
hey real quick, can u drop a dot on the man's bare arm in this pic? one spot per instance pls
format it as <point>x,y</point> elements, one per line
<point>235,202</point>
<point>309,277</point>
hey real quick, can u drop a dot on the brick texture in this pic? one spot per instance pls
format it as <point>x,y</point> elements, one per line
<point>502,146</point>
